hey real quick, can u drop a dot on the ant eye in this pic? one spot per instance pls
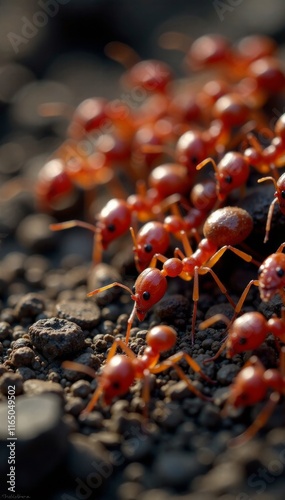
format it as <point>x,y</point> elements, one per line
<point>279,272</point>
<point>283,194</point>
<point>148,247</point>
<point>242,341</point>
<point>228,179</point>
<point>111,228</point>
<point>195,160</point>
<point>146,295</point>
<point>116,385</point>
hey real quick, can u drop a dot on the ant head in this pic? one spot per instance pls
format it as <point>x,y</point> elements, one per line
<point>150,287</point>
<point>152,238</point>
<point>54,188</point>
<point>114,220</point>
<point>249,387</point>
<point>232,172</point>
<point>271,276</point>
<point>247,333</point>
<point>117,376</point>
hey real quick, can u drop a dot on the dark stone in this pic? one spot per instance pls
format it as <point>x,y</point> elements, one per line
<point>84,314</point>
<point>41,439</point>
<point>56,337</point>
<point>29,306</point>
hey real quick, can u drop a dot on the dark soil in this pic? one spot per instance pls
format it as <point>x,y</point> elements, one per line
<point>182,451</point>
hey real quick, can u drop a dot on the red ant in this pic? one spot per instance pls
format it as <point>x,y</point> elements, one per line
<point>271,279</point>
<point>247,332</point>
<point>120,371</point>
<point>272,156</point>
<point>224,228</point>
<point>231,172</point>
<point>166,182</point>
<point>279,197</point>
<point>250,387</point>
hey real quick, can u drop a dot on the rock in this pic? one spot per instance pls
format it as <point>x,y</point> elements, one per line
<point>41,439</point>
<point>84,314</point>
<point>29,306</point>
<point>176,469</point>
<point>56,337</point>
<point>227,373</point>
<point>35,387</point>
<point>22,356</point>
<point>5,330</point>
<point>11,379</point>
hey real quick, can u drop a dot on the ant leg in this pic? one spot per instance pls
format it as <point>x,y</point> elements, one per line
<point>204,270</point>
<point>210,321</point>
<point>212,261</point>
<point>244,295</point>
<point>258,423</point>
<point>93,400</point>
<point>132,315</point>
<point>269,215</point>
<point>280,249</point>
<point>175,358</point>
<point>120,343</point>
<point>71,365</point>
<point>146,393</point>
<point>168,363</point>
<point>206,162</point>
<point>72,223</point>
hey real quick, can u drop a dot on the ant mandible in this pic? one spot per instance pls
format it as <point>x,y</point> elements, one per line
<point>120,371</point>
<point>223,228</point>
<point>247,332</point>
<point>250,387</point>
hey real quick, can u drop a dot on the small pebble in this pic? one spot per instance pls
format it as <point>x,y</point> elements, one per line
<point>209,416</point>
<point>35,387</point>
<point>176,468</point>
<point>29,306</point>
<point>74,405</point>
<point>84,314</point>
<point>5,330</point>
<point>56,337</point>
<point>227,373</point>
<point>11,379</point>
<point>174,306</point>
<point>22,356</point>
<point>81,388</point>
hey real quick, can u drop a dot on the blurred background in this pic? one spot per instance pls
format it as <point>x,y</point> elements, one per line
<point>53,50</point>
